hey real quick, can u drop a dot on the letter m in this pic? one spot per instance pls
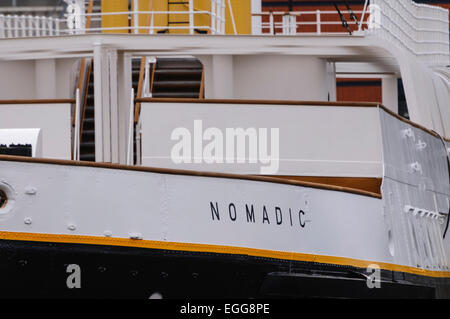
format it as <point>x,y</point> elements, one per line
<point>250,214</point>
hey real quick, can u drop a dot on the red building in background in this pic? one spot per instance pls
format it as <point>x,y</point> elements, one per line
<point>347,89</point>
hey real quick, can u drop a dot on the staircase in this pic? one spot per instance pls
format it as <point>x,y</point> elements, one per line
<point>87,142</point>
<point>177,78</point>
<point>173,78</point>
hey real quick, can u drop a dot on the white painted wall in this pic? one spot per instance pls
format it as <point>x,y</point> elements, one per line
<point>280,78</point>
<point>313,140</point>
<point>54,120</point>
<point>17,80</point>
<point>38,79</point>
<point>267,77</point>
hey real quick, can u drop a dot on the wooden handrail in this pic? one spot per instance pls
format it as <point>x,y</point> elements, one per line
<point>86,91</point>
<point>274,102</point>
<point>38,101</point>
<point>88,19</point>
<point>139,89</point>
<point>201,94</point>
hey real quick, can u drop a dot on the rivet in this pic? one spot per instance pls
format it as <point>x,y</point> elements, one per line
<point>27,221</point>
<point>107,233</point>
<point>135,236</point>
<point>408,209</point>
<point>30,190</point>
<point>156,295</point>
<point>134,273</point>
<point>101,269</point>
<point>416,167</point>
<point>164,274</point>
<point>71,227</point>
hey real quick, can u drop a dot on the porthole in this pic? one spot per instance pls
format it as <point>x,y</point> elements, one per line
<point>7,200</point>
<point>3,199</point>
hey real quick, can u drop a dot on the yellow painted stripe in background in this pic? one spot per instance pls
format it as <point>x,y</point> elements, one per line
<point>125,242</point>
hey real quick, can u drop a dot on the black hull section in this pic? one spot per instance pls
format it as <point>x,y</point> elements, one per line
<point>40,270</point>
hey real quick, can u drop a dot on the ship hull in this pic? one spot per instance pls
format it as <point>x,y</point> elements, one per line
<point>42,270</point>
<point>74,229</point>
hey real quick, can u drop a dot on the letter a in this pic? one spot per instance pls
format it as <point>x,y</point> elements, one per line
<point>74,279</point>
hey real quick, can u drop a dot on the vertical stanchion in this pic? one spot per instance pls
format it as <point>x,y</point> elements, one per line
<point>130,130</point>
<point>76,133</point>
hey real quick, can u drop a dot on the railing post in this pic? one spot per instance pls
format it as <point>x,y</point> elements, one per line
<point>136,16</point>
<point>2,26</point>
<point>130,130</point>
<point>23,31</point>
<point>223,16</point>
<point>363,15</point>
<point>9,33</point>
<point>16,26</point>
<point>29,22</point>
<point>232,17</point>
<point>191,17</point>
<point>76,133</point>
<point>36,26</point>
<point>271,23</point>
<point>319,22</point>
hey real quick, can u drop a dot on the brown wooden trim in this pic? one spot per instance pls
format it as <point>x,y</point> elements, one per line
<point>81,75</point>
<point>187,173</point>
<point>265,102</point>
<point>42,101</point>
<point>81,80</point>
<point>152,81</point>
<point>88,19</point>
<point>201,94</point>
<point>137,107</point>
<point>368,184</point>
<point>85,97</point>
<point>416,125</point>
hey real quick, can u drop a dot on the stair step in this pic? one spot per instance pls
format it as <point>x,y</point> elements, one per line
<point>176,84</point>
<point>88,136</point>
<point>175,63</point>
<point>176,94</point>
<point>87,144</point>
<point>89,123</point>
<point>89,157</point>
<point>174,72</point>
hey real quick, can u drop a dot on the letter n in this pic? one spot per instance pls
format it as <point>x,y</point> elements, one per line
<point>214,211</point>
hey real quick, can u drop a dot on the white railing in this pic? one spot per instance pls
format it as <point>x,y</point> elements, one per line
<point>28,26</point>
<point>300,22</point>
<point>14,26</point>
<point>217,25</point>
<point>421,29</point>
